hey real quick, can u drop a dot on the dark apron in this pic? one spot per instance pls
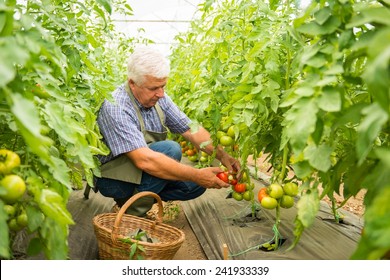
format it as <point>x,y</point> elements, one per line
<point>122,168</point>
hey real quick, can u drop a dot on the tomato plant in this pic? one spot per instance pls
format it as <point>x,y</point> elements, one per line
<point>51,87</point>
<point>313,96</point>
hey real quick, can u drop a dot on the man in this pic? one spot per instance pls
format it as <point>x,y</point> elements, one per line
<point>134,126</point>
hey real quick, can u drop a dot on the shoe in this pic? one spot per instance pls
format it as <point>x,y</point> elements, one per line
<point>115,208</point>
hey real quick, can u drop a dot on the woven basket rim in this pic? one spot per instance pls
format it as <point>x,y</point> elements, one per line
<point>98,226</point>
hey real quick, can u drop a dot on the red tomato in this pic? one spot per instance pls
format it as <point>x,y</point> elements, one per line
<point>223,176</point>
<point>233,182</point>
<point>262,193</point>
<point>232,179</point>
<point>240,188</point>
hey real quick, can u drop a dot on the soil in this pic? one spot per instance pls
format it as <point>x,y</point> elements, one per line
<point>191,249</point>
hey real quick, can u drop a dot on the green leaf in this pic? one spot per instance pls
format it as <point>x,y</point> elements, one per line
<point>322,15</point>
<point>55,235</point>
<point>4,234</point>
<point>317,61</point>
<point>371,15</point>
<point>3,19</point>
<point>319,156</point>
<point>106,4</point>
<point>329,100</point>
<point>35,218</point>
<point>60,170</point>
<point>300,122</point>
<point>384,155</point>
<point>313,28</point>
<point>53,206</point>
<point>305,91</point>
<point>10,55</point>
<point>27,118</point>
<point>376,73</point>
<point>308,206</point>
<point>302,169</point>
<point>368,130</point>
<point>35,246</point>
<point>377,223</point>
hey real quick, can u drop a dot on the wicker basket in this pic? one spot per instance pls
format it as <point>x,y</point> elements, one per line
<point>112,228</point>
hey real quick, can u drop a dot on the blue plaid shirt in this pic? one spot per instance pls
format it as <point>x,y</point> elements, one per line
<point>121,129</point>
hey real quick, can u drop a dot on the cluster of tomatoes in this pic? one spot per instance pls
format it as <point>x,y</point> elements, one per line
<point>240,190</point>
<point>275,194</point>
<point>12,189</point>
<point>188,150</point>
<point>226,137</point>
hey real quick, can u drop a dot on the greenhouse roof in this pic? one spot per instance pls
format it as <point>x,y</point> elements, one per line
<point>160,20</point>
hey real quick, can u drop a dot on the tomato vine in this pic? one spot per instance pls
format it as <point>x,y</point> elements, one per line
<point>308,87</point>
<point>57,68</point>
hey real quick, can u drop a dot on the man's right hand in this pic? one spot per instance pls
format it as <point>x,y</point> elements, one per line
<point>208,178</point>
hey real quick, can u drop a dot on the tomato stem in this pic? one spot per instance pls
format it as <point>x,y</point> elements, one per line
<point>284,164</point>
<point>276,227</point>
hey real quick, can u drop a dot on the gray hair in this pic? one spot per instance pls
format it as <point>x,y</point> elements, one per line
<point>144,61</point>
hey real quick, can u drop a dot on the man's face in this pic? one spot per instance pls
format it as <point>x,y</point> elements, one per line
<point>150,91</point>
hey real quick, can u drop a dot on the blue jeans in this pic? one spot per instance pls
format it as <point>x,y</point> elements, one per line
<point>166,189</point>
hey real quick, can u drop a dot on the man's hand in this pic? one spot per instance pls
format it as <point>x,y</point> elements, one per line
<point>232,164</point>
<point>208,178</point>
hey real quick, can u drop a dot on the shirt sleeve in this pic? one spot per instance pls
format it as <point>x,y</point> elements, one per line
<point>119,128</point>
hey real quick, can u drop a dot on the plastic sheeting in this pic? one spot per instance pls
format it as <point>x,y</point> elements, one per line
<point>218,220</point>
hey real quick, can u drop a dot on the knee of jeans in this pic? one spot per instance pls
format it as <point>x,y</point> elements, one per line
<point>167,147</point>
<point>174,150</point>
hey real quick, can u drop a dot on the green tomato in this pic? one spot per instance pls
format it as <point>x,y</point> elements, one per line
<point>14,186</point>
<point>286,201</point>
<point>10,210</point>
<point>226,141</point>
<point>204,154</point>
<point>237,196</point>
<point>230,132</point>
<point>193,158</point>
<point>8,161</point>
<point>220,133</point>
<point>290,189</point>
<point>275,190</point>
<point>248,195</point>
<point>22,220</point>
<point>203,159</point>
<point>269,202</point>
<point>13,225</point>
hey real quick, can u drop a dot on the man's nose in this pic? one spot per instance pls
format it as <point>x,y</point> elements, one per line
<point>160,92</point>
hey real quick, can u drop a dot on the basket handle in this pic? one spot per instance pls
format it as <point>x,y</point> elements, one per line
<point>128,203</point>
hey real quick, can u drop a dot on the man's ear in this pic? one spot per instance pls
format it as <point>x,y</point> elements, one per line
<point>131,83</point>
